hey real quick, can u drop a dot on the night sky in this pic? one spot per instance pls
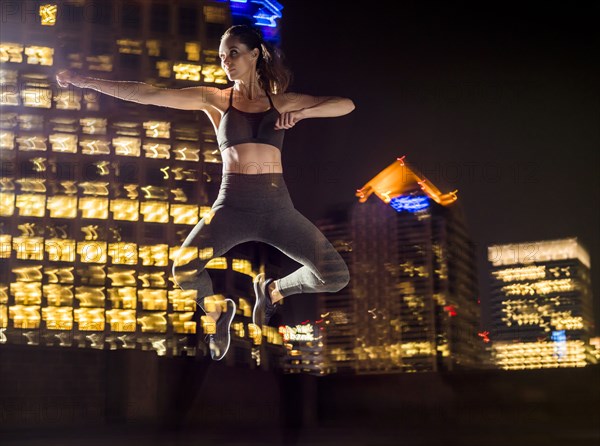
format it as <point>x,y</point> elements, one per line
<point>497,100</point>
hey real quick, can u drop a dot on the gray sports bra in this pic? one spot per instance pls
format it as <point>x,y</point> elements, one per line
<point>237,127</point>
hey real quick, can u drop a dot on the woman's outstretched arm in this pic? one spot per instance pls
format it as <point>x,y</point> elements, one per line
<point>191,98</point>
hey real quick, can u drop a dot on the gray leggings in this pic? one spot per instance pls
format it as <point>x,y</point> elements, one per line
<point>259,208</point>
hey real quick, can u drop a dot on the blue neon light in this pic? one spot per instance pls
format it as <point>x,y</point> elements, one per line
<point>560,342</point>
<point>240,7</point>
<point>410,203</point>
<point>264,12</point>
<point>267,15</point>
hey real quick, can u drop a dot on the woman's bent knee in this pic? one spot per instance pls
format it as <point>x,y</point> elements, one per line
<point>338,281</point>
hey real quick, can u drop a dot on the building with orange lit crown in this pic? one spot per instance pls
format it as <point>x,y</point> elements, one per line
<point>414,304</point>
<point>541,305</point>
<point>98,193</point>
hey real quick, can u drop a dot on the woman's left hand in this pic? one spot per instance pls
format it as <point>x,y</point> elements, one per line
<point>287,120</point>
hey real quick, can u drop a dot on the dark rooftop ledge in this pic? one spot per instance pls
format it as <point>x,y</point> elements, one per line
<point>122,394</point>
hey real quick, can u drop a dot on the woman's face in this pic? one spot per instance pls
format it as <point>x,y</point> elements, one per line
<point>236,59</point>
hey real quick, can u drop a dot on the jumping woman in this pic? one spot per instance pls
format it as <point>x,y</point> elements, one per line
<point>253,204</point>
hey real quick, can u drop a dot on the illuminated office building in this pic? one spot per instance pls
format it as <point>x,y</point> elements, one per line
<point>595,348</point>
<point>97,193</point>
<point>338,310</point>
<point>541,305</point>
<point>305,352</point>
<point>414,304</point>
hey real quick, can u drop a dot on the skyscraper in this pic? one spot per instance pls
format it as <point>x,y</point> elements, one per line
<point>337,311</point>
<point>97,193</point>
<point>541,304</point>
<point>413,281</point>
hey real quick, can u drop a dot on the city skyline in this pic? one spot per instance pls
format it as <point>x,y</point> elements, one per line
<point>497,106</point>
<point>98,195</point>
<point>498,194</point>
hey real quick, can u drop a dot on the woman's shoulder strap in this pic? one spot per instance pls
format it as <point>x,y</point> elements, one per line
<point>269,96</point>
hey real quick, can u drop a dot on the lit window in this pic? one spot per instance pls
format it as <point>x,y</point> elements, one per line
<point>127,146</point>
<point>63,142</point>
<point>103,62</point>
<point>186,214</point>
<point>94,147</point>
<point>62,206</point>
<point>11,52</point>
<point>153,299</point>
<point>187,152</point>
<point>153,47</point>
<point>37,97</point>
<point>39,55</point>
<point>214,74</point>
<point>48,15</point>
<point>128,46</point>
<point>123,253</point>
<point>193,51</point>
<point>7,140</point>
<point>214,14</point>
<point>157,151</point>
<point>89,319</point>
<point>93,126</point>
<point>24,316</point>
<point>164,68</point>
<point>155,211</point>
<point>92,251</point>
<point>92,207</point>
<point>28,248</point>
<point>183,256</point>
<point>60,250</point>
<point>7,202</point>
<point>124,209</point>
<point>157,129</point>
<point>31,205</point>
<point>188,72</point>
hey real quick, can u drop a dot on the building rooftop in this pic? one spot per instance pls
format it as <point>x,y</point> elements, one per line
<point>399,179</point>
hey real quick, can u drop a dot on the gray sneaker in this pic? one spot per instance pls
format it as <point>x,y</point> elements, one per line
<point>264,308</point>
<point>219,342</point>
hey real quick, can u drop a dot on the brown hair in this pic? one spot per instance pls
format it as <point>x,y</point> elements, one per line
<point>273,75</point>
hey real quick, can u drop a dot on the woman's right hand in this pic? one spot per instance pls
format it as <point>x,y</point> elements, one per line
<point>66,77</point>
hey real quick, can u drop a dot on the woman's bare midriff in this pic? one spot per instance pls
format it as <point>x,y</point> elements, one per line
<point>252,159</point>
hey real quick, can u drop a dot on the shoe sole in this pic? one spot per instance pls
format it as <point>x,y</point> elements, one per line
<point>228,329</point>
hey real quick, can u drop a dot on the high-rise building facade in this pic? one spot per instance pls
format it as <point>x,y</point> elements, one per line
<point>97,194</point>
<point>337,311</point>
<point>541,304</point>
<point>305,352</point>
<point>414,304</point>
